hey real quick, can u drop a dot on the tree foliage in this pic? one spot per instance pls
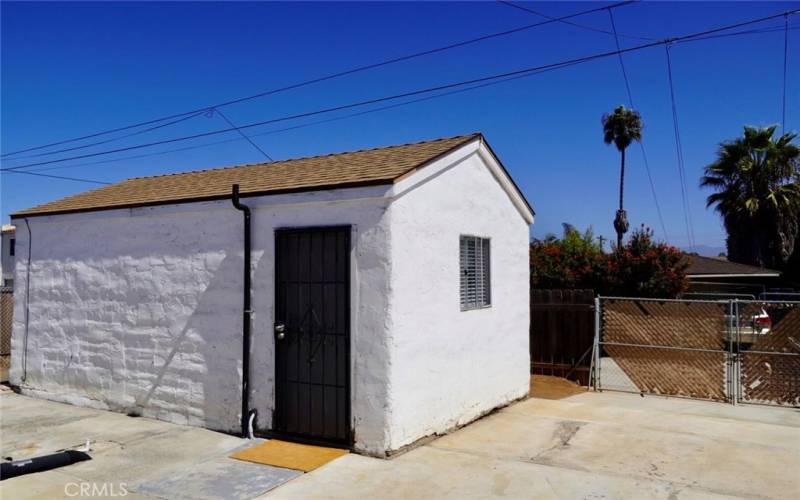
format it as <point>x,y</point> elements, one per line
<point>756,179</point>
<point>640,268</point>
<point>622,127</point>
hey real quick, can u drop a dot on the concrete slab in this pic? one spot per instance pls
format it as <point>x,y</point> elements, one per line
<point>592,445</point>
<point>222,478</point>
<point>429,472</point>
<point>174,450</point>
<point>682,422</point>
<point>743,412</point>
<point>126,452</point>
<point>56,484</point>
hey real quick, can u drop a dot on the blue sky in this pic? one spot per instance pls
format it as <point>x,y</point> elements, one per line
<point>70,69</point>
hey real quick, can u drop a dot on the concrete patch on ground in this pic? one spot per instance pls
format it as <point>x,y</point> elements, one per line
<point>222,478</point>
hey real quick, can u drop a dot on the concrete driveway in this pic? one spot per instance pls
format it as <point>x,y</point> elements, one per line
<point>591,445</point>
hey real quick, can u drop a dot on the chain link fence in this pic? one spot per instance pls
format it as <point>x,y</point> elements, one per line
<point>719,350</point>
<point>6,317</point>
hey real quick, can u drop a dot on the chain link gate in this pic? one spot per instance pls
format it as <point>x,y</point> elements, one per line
<point>719,350</point>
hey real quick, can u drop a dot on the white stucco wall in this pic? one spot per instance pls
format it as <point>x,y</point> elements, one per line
<point>451,366</point>
<point>140,310</point>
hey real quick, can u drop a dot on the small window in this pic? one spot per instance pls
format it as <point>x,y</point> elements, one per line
<point>12,246</point>
<point>475,282</point>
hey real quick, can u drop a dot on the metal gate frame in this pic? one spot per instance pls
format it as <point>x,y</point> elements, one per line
<point>735,352</point>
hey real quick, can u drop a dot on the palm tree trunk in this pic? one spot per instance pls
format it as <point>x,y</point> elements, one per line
<point>621,220</point>
<point>621,179</point>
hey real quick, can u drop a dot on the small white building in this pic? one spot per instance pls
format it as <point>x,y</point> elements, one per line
<point>389,295</point>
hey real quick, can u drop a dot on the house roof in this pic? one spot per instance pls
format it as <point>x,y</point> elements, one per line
<point>709,267</point>
<point>352,169</point>
<point>8,228</point>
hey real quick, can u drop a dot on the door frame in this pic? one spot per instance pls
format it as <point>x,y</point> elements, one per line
<point>348,441</point>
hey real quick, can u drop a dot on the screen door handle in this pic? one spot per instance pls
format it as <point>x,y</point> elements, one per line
<point>280,331</point>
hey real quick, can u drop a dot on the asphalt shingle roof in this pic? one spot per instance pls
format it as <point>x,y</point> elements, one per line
<point>699,265</point>
<point>351,169</point>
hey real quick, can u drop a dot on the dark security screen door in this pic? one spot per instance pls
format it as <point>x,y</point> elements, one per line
<point>312,353</point>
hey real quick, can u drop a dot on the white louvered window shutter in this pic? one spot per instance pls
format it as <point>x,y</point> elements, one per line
<point>475,283</point>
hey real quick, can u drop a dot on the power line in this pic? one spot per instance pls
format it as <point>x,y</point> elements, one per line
<point>771,29</point>
<point>106,141</point>
<point>350,71</point>
<point>304,125</point>
<point>785,66</point>
<point>360,113</point>
<point>738,33</point>
<point>252,143</point>
<point>621,61</point>
<point>410,93</point>
<point>76,179</point>
<point>353,115</point>
<point>582,26</point>
<point>641,144</point>
<point>687,215</point>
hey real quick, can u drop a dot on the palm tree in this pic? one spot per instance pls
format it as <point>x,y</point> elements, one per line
<point>756,179</point>
<point>622,127</point>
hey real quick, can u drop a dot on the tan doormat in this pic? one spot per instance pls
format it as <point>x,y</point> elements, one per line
<point>302,457</point>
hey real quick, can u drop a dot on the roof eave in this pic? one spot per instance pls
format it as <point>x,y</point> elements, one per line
<point>735,275</point>
<point>200,199</point>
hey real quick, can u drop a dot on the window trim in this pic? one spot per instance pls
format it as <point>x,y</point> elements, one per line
<point>488,274</point>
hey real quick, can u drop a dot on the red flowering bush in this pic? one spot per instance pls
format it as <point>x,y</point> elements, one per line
<point>642,268</point>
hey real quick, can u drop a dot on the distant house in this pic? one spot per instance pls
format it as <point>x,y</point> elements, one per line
<point>8,250</point>
<point>719,275</point>
<point>390,296</point>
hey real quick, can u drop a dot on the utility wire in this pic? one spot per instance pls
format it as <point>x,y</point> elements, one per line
<point>353,115</point>
<point>621,61</point>
<point>771,29</point>
<point>248,139</point>
<point>411,93</point>
<point>785,66</point>
<point>582,26</point>
<point>304,125</point>
<point>332,76</point>
<point>641,144</point>
<point>106,141</point>
<point>687,215</point>
<point>76,179</point>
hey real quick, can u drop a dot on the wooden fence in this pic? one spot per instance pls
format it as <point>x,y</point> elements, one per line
<point>561,333</point>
